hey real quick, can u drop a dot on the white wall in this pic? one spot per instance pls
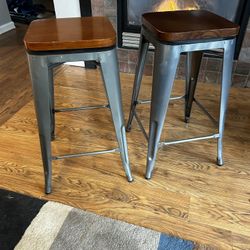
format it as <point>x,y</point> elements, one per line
<point>66,8</point>
<point>5,22</point>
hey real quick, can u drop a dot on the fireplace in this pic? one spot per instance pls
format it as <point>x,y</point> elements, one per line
<point>130,11</point>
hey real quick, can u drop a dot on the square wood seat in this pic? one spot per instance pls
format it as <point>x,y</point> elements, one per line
<point>173,26</point>
<point>70,33</point>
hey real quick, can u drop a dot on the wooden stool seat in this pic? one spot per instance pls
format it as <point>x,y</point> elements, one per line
<point>70,34</point>
<point>174,26</point>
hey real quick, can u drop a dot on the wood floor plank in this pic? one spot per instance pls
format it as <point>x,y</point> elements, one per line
<point>241,242</point>
<point>188,196</point>
<point>220,213</point>
<point>14,76</point>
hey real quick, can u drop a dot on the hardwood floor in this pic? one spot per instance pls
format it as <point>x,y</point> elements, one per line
<point>15,87</point>
<point>188,196</point>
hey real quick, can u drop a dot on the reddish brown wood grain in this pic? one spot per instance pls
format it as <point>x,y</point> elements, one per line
<point>70,33</point>
<point>173,26</point>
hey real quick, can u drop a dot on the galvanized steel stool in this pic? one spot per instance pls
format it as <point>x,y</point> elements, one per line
<point>53,41</point>
<point>173,33</point>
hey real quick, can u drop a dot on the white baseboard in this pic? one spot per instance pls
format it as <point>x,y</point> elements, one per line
<point>6,27</point>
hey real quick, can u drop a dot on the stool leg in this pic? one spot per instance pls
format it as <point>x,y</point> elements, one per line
<point>40,84</point>
<point>144,44</point>
<point>52,108</point>
<point>165,64</point>
<point>110,74</point>
<point>225,87</point>
<point>192,68</point>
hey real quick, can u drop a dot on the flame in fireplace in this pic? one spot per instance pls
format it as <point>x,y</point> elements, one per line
<point>170,5</point>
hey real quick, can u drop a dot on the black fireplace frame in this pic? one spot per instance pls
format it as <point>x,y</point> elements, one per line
<point>242,18</point>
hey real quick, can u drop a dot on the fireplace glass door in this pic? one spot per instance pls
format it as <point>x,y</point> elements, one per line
<point>130,11</point>
<point>225,8</point>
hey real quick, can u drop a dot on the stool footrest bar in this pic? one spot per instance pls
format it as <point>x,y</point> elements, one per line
<point>60,157</point>
<point>81,108</point>
<point>142,101</point>
<point>173,98</point>
<point>213,136</point>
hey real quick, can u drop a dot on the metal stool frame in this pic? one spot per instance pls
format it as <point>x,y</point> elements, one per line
<point>41,69</point>
<point>167,56</point>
